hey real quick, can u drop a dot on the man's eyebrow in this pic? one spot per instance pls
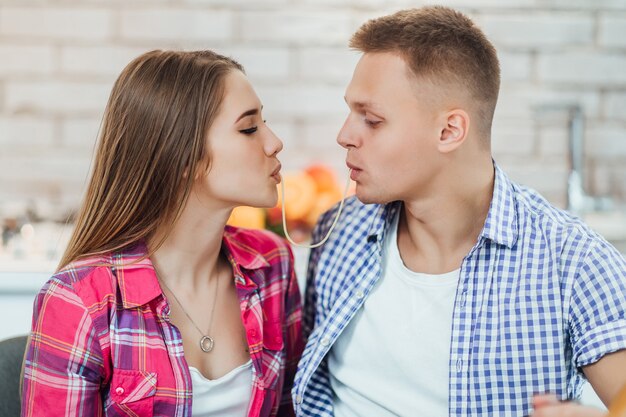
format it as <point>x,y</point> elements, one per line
<point>360,104</point>
<point>250,112</point>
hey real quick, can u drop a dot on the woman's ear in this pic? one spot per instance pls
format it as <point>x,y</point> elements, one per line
<point>455,131</point>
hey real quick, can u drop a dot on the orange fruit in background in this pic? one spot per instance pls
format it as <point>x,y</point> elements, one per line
<point>300,194</point>
<point>324,201</point>
<point>248,217</point>
<point>324,177</point>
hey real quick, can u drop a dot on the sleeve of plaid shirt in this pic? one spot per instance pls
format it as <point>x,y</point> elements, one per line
<point>598,305</point>
<point>294,342</point>
<point>63,363</point>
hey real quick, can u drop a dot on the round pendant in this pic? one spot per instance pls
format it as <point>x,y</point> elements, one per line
<point>206,344</point>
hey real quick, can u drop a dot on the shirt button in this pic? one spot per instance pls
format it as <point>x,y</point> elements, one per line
<point>298,399</point>
<point>463,298</point>
<point>119,390</point>
<point>252,332</point>
<point>459,365</point>
<point>325,341</point>
<point>359,294</point>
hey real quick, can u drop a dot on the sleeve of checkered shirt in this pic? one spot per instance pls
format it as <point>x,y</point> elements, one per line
<point>598,305</point>
<point>294,343</point>
<point>63,362</point>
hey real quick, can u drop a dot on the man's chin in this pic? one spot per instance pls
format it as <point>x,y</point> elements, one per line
<point>370,198</point>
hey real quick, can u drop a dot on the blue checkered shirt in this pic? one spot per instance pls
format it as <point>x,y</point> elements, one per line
<point>539,296</point>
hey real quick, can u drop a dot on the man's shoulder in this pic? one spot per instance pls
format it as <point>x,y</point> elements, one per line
<point>536,211</point>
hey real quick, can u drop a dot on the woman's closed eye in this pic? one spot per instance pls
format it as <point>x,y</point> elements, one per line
<point>250,130</point>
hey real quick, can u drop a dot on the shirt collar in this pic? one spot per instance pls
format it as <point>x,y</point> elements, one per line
<point>138,281</point>
<point>240,251</point>
<point>501,223</point>
<point>382,217</point>
<point>136,277</point>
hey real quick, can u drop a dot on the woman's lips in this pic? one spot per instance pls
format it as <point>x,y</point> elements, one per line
<point>276,173</point>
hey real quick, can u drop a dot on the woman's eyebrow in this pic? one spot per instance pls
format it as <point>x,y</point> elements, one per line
<point>250,112</point>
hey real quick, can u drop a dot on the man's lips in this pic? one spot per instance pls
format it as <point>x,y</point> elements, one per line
<point>352,166</point>
<point>354,171</point>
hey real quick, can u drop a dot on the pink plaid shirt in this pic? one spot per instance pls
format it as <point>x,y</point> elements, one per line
<point>102,343</point>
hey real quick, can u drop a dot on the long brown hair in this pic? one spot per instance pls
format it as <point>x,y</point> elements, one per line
<point>151,144</point>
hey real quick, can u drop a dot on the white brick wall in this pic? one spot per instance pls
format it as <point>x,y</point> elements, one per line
<point>58,61</point>
<point>609,142</point>
<point>513,136</point>
<point>612,30</point>
<point>538,30</point>
<point>171,24</point>
<point>74,23</point>
<point>515,67</point>
<point>615,105</point>
<point>25,60</point>
<point>101,60</point>
<point>59,97</point>
<point>338,71</point>
<point>262,63</point>
<point>303,100</point>
<point>300,27</point>
<point>25,132</point>
<point>80,133</point>
<point>587,67</point>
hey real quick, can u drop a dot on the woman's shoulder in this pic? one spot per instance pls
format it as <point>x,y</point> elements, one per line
<point>77,271</point>
<point>261,240</point>
<point>92,279</point>
<point>253,244</point>
<point>79,287</point>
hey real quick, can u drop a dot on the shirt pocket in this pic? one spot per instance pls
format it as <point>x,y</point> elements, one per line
<point>132,392</point>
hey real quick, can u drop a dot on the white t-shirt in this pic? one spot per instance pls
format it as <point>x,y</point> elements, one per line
<point>227,396</point>
<point>393,357</point>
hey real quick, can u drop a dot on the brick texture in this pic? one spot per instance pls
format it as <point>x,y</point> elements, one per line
<point>59,59</point>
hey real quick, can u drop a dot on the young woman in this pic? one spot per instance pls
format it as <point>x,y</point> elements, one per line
<point>158,308</point>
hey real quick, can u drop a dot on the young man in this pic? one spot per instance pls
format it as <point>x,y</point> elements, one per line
<point>447,289</point>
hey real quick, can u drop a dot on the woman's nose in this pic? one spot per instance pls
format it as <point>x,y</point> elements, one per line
<point>274,144</point>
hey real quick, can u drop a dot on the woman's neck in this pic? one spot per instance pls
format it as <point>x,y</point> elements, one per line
<point>191,252</point>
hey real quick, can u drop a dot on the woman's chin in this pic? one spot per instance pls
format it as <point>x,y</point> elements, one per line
<point>263,203</point>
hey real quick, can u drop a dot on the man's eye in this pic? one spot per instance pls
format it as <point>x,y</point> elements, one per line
<point>249,131</point>
<point>372,123</point>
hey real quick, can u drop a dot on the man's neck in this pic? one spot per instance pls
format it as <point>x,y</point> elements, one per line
<point>435,234</point>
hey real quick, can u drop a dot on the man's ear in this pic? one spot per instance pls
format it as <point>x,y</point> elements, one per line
<point>455,130</point>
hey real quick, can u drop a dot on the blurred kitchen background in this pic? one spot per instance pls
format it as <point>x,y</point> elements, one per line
<point>560,124</point>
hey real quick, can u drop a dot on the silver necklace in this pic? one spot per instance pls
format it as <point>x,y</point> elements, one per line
<point>206,342</point>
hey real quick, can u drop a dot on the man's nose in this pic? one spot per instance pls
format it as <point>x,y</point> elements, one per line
<point>346,136</point>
